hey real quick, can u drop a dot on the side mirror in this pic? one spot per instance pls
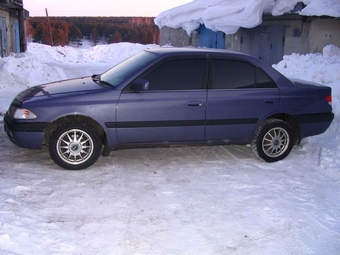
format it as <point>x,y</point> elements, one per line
<point>139,85</point>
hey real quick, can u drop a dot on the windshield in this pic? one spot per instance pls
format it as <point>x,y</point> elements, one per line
<point>119,73</point>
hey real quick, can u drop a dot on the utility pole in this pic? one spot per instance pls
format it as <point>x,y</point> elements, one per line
<point>49,27</point>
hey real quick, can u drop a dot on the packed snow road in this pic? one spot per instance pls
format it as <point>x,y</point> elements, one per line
<point>185,200</point>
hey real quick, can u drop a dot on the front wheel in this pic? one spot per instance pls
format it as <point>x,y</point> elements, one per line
<point>273,140</point>
<point>75,146</point>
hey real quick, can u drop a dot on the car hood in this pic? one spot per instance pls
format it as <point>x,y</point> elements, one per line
<point>78,85</point>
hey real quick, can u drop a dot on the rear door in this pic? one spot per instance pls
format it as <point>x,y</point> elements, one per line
<point>172,110</point>
<point>240,95</point>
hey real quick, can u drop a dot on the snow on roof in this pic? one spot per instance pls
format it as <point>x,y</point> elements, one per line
<point>229,15</point>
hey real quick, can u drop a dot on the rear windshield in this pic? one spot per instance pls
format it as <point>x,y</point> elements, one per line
<point>119,73</point>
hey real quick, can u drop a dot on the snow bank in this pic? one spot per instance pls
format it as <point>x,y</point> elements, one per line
<point>108,53</point>
<point>323,68</point>
<point>320,67</point>
<point>39,63</point>
<point>229,15</point>
<point>26,69</point>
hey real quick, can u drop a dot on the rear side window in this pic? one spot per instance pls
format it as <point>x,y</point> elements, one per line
<point>235,74</point>
<point>179,74</point>
<point>263,80</point>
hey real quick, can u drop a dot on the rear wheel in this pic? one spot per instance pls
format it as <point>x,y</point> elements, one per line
<point>273,140</point>
<point>75,146</point>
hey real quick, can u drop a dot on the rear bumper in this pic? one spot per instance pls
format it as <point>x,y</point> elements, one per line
<point>314,124</point>
<point>25,134</point>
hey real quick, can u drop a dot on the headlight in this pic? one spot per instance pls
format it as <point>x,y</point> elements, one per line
<point>18,113</point>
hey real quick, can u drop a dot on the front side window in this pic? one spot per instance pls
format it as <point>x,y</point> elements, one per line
<point>235,74</point>
<point>177,74</point>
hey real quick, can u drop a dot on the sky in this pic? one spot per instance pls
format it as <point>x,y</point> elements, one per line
<point>145,8</point>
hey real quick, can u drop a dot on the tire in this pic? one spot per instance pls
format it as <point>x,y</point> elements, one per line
<point>75,146</point>
<point>273,140</point>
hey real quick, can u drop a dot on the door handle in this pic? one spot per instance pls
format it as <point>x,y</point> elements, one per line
<point>194,104</point>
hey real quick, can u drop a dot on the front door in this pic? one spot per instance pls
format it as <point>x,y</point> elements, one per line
<point>172,110</point>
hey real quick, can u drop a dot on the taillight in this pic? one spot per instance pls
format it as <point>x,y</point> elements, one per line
<point>329,99</point>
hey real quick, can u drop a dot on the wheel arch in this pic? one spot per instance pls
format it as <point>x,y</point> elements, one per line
<point>292,121</point>
<point>77,119</point>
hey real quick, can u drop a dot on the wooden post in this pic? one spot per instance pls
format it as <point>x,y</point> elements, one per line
<point>22,30</point>
<point>49,27</point>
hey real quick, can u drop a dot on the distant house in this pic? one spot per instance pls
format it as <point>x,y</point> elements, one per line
<point>274,37</point>
<point>12,27</point>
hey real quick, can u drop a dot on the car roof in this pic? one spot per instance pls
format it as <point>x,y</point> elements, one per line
<point>192,50</point>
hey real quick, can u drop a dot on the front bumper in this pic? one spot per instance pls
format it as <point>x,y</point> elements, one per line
<point>26,134</point>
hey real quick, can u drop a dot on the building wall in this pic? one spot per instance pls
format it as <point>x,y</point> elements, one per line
<point>11,15</point>
<point>294,39</point>
<point>296,35</point>
<point>300,35</point>
<point>305,35</point>
<point>178,37</point>
<point>323,32</point>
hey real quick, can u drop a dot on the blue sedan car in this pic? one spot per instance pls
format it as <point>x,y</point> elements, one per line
<point>170,96</point>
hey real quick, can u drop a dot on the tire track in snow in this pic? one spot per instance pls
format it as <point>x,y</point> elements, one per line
<point>285,232</point>
<point>300,232</point>
<point>325,239</point>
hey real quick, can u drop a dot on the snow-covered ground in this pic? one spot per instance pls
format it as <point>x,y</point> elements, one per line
<point>190,200</point>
